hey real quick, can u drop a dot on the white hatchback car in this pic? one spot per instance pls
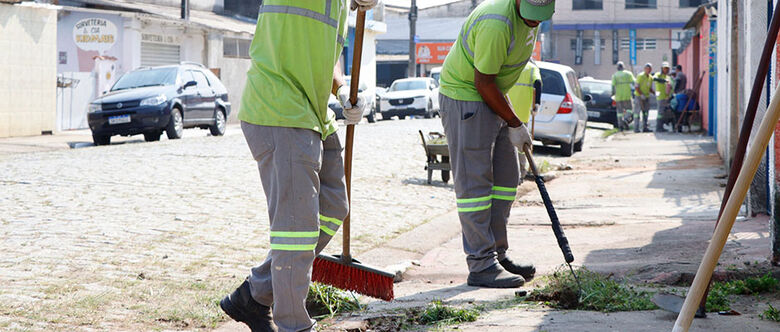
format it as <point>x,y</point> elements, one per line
<point>563,116</point>
<point>410,96</point>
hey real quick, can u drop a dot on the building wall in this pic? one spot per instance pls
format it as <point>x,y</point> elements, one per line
<point>615,11</point>
<point>233,76</point>
<point>564,54</point>
<point>209,5</point>
<point>28,88</point>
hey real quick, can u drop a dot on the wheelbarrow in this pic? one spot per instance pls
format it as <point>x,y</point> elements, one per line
<point>437,155</point>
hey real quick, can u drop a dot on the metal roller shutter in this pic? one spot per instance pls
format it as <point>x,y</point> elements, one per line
<point>153,54</point>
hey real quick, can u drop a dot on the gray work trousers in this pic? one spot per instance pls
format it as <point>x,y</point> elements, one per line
<point>664,115</point>
<point>486,175</point>
<point>643,108</point>
<point>303,180</point>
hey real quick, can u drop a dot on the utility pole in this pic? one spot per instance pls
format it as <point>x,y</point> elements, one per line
<point>412,34</point>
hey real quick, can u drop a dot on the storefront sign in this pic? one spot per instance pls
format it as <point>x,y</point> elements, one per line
<point>537,53</point>
<point>578,49</point>
<point>162,39</point>
<point>432,52</point>
<point>632,46</point>
<point>94,34</point>
<point>615,45</point>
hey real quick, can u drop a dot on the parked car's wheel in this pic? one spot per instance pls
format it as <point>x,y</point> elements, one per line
<point>567,149</point>
<point>219,126</point>
<point>401,117</point>
<point>101,139</point>
<point>578,145</point>
<point>175,128</point>
<point>152,136</point>
<point>429,110</point>
<point>371,117</point>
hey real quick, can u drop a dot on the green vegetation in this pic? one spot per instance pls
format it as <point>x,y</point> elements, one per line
<point>599,293</point>
<point>718,298</point>
<point>440,314</point>
<point>327,301</point>
<point>608,133</point>
<point>771,314</point>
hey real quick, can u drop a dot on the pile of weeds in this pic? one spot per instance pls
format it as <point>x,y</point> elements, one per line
<point>327,301</point>
<point>770,313</point>
<point>718,298</point>
<point>436,314</point>
<point>610,132</point>
<point>599,293</point>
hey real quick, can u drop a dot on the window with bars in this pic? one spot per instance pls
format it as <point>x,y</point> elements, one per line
<point>641,44</point>
<point>641,4</point>
<point>587,44</point>
<point>587,4</point>
<point>236,47</point>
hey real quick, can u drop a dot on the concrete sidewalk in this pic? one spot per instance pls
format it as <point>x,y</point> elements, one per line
<point>75,139</point>
<point>640,206</point>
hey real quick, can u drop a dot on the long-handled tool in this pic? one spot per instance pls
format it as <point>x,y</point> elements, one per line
<point>342,271</point>
<point>668,302</point>
<point>563,243</point>
<point>726,220</point>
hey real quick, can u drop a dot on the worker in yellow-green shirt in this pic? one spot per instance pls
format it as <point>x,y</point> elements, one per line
<point>622,82</point>
<point>663,89</point>
<point>483,132</point>
<point>291,134</point>
<point>644,90</point>
<point>525,97</point>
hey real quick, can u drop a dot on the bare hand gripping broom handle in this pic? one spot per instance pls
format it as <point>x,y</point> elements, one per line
<point>357,53</point>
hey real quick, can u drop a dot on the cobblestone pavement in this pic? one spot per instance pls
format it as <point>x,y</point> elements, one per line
<point>136,235</point>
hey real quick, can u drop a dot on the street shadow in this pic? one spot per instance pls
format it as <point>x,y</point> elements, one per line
<point>424,182</point>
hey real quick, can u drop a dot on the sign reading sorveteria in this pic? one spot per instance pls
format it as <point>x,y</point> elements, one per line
<point>94,34</point>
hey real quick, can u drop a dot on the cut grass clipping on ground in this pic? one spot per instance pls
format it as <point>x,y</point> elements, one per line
<point>599,293</point>
<point>435,314</point>
<point>608,133</point>
<point>770,313</point>
<point>718,298</point>
<point>440,314</point>
<point>327,301</point>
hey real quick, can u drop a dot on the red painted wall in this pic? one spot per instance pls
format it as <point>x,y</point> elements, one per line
<point>696,56</point>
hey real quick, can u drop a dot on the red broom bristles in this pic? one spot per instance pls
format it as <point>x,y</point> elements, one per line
<point>352,277</point>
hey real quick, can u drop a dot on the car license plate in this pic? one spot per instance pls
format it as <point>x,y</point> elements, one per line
<point>119,119</point>
<point>593,114</point>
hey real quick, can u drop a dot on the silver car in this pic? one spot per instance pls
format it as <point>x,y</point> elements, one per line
<point>563,116</point>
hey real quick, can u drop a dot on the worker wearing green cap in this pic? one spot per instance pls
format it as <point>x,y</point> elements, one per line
<point>483,132</point>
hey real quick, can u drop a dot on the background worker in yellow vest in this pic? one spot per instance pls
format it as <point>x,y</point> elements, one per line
<point>483,132</point>
<point>291,134</point>
<point>663,89</point>
<point>525,97</point>
<point>644,89</point>
<point>622,81</point>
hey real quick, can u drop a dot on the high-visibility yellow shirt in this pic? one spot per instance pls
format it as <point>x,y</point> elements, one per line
<point>645,82</point>
<point>660,87</point>
<point>495,41</point>
<point>521,95</point>
<point>622,82</point>
<point>295,48</point>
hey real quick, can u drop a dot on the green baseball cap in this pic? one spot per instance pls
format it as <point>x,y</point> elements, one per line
<point>537,10</point>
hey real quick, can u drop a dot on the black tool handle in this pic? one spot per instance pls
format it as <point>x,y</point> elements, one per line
<point>556,224</point>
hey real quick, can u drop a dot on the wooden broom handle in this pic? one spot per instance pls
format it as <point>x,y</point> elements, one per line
<point>726,220</point>
<point>357,53</point>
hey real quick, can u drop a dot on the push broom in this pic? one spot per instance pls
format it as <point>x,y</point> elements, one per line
<point>342,271</point>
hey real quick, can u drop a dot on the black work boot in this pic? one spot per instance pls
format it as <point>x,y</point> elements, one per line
<point>527,270</point>
<point>494,277</point>
<point>243,308</point>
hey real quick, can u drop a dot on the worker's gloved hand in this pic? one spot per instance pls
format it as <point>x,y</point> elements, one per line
<point>364,5</point>
<point>520,137</point>
<point>536,108</point>
<point>352,113</point>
